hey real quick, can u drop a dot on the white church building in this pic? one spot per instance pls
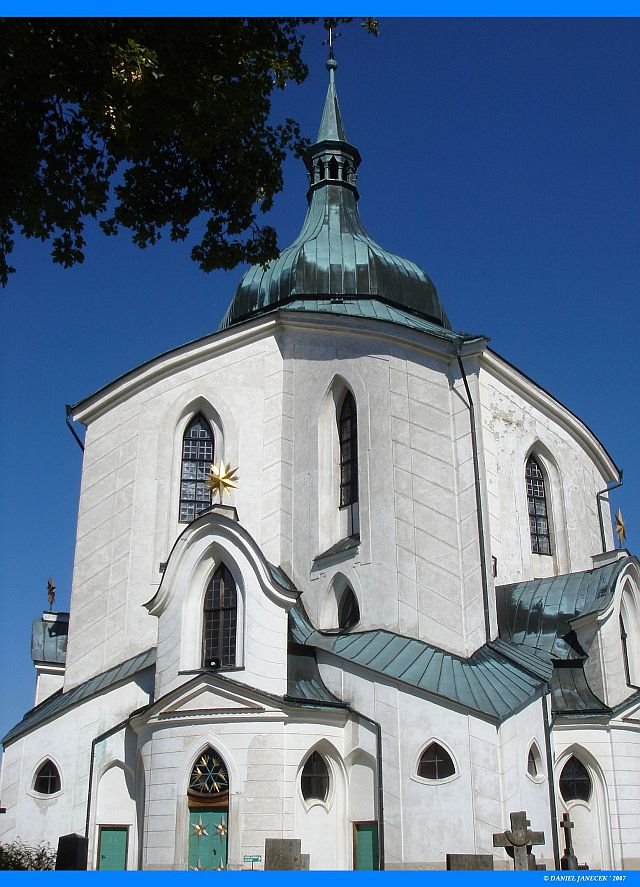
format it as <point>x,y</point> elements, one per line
<point>408,621</point>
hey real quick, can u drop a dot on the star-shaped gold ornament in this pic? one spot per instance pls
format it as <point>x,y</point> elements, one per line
<point>200,829</point>
<point>221,829</point>
<point>222,478</point>
<point>621,530</point>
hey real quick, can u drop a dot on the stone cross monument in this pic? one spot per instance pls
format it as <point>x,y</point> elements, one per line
<point>519,840</point>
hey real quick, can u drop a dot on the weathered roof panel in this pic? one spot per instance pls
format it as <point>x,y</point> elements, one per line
<point>537,614</point>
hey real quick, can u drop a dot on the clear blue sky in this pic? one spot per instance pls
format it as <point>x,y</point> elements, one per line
<point>499,155</point>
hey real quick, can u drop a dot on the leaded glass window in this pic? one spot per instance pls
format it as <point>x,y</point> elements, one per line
<point>575,782</point>
<point>435,763</point>
<point>314,780</point>
<point>538,516</point>
<point>197,456</point>
<point>348,439</point>
<point>220,620</point>
<point>47,781</point>
<point>209,775</point>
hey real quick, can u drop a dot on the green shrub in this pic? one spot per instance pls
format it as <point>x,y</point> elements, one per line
<point>21,857</point>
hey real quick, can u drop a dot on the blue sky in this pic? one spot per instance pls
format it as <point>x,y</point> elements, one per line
<point>499,155</point>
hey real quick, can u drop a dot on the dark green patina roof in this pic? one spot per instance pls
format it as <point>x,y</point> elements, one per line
<point>487,683</point>
<point>60,702</point>
<point>538,613</point>
<point>334,255</point>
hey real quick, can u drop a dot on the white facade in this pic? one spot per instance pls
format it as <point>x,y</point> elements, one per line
<point>445,432</point>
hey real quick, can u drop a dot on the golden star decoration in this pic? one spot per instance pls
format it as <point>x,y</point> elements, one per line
<point>222,478</point>
<point>621,530</point>
<point>221,829</point>
<point>200,829</point>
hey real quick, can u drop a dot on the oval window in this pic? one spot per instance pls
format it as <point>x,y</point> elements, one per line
<point>314,781</point>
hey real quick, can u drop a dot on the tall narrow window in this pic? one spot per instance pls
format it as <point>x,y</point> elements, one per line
<point>348,437</point>
<point>197,456</point>
<point>220,618</point>
<point>538,516</point>
<point>625,651</point>
<point>314,781</point>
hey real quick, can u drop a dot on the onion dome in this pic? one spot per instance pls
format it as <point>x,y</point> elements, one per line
<point>333,257</point>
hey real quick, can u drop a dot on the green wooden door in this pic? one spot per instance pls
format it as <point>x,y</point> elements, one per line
<point>112,848</point>
<point>365,836</point>
<point>208,839</point>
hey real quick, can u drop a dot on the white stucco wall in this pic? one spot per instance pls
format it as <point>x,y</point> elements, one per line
<point>519,419</point>
<point>67,741</point>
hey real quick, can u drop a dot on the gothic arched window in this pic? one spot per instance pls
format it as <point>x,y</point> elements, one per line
<point>220,616</point>
<point>575,782</point>
<point>348,439</point>
<point>197,456</point>
<point>537,502</point>
<point>314,781</point>
<point>435,763</point>
<point>47,781</point>
<point>209,776</point>
<point>348,610</point>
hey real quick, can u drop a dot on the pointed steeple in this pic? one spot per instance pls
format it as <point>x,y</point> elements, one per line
<point>331,128</point>
<point>334,259</point>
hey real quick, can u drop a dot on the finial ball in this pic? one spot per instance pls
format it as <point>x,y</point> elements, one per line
<point>331,64</point>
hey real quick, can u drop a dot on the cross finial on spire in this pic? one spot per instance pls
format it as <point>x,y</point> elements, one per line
<point>333,35</point>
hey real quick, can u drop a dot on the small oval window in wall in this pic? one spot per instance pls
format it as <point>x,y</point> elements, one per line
<point>435,763</point>
<point>575,782</point>
<point>534,763</point>
<point>314,781</point>
<point>47,781</point>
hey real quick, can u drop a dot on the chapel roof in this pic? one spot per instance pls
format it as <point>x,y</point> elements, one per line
<point>538,613</point>
<point>334,257</point>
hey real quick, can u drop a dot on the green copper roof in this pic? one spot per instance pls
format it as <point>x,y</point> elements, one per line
<point>538,613</point>
<point>334,256</point>
<point>61,701</point>
<point>487,683</point>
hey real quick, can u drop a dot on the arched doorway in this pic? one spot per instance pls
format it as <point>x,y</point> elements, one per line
<point>208,796</point>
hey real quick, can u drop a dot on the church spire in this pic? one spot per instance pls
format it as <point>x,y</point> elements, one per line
<point>332,159</point>
<point>331,128</point>
<point>333,257</point>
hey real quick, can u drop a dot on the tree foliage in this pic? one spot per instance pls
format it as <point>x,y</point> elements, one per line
<point>145,124</point>
<point>19,857</point>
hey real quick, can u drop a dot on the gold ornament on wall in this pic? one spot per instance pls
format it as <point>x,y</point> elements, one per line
<point>621,530</point>
<point>222,479</point>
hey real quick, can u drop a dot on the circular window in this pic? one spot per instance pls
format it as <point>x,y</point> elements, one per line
<point>575,782</point>
<point>314,781</point>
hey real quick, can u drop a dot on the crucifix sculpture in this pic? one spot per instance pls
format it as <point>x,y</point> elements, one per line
<point>518,841</point>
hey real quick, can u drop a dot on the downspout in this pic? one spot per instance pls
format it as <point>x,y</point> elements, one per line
<point>599,497</point>
<point>476,475</point>
<point>69,411</point>
<point>380,793</point>
<point>94,742</point>
<point>553,805</point>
